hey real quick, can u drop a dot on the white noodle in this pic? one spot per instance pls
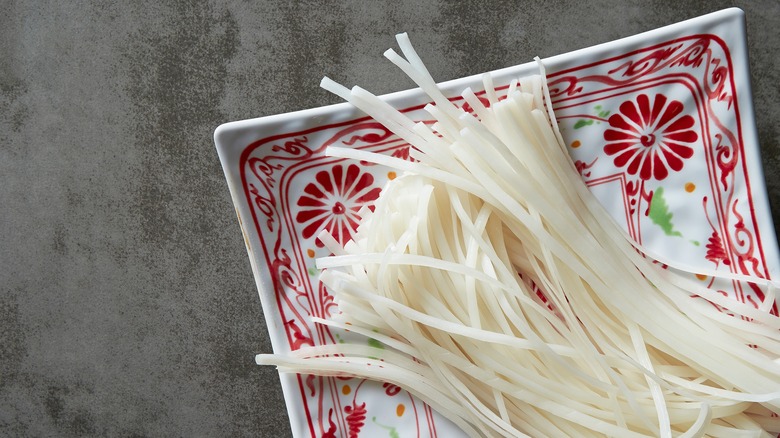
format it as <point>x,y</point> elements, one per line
<point>444,272</point>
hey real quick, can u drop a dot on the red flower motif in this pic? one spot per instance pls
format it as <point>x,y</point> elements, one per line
<point>715,251</point>
<point>332,201</point>
<point>650,138</point>
<point>356,418</point>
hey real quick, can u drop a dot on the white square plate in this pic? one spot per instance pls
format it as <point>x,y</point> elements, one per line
<point>659,124</point>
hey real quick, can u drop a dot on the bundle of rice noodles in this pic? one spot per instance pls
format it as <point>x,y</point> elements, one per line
<point>510,301</point>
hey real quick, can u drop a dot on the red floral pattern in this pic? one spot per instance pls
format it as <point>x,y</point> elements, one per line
<point>403,153</point>
<point>391,389</point>
<point>715,251</point>
<point>583,167</point>
<point>331,432</point>
<point>356,418</point>
<point>333,199</point>
<point>650,137</point>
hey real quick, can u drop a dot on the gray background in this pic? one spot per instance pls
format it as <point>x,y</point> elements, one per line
<point>127,304</point>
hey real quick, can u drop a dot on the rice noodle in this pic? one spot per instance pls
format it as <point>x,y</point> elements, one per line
<point>445,273</point>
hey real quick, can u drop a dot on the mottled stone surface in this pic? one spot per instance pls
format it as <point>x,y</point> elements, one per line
<point>127,304</point>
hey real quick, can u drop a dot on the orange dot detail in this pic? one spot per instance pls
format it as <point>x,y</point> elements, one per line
<point>690,187</point>
<point>575,144</point>
<point>399,410</point>
<point>701,277</point>
<point>346,390</point>
<point>391,175</point>
<point>310,252</point>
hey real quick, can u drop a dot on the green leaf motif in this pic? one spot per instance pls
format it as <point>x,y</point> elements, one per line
<point>393,432</point>
<point>660,214</point>
<point>582,123</point>
<point>375,344</point>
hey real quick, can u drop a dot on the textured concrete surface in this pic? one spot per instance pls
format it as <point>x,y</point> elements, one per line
<point>127,306</point>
